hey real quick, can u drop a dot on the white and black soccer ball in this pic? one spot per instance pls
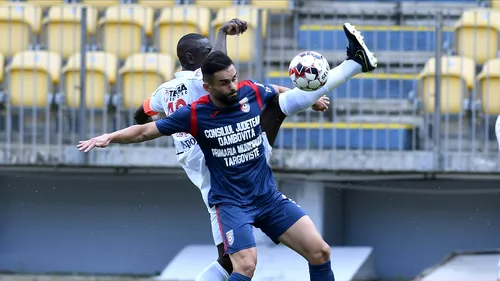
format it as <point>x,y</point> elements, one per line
<point>309,71</point>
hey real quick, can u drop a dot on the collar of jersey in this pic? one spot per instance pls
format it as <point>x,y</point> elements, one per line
<point>183,73</point>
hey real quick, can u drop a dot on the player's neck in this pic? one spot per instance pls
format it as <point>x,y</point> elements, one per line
<point>217,103</point>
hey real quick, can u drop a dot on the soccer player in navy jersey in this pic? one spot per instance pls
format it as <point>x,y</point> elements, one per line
<point>226,125</point>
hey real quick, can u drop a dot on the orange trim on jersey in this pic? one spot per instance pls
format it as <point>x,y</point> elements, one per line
<point>147,108</point>
<point>220,229</point>
<point>255,89</point>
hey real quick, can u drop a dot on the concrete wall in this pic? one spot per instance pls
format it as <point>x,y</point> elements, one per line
<point>135,224</point>
<point>103,224</point>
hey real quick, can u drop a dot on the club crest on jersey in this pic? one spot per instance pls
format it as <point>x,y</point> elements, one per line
<point>244,105</point>
<point>230,237</point>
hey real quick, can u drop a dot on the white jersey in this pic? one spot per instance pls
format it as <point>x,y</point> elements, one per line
<point>185,88</point>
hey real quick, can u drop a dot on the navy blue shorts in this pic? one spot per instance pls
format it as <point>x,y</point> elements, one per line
<point>273,217</point>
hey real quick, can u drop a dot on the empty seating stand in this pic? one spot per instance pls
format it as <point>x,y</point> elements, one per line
<point>380,38</point>
<point>365,86</point>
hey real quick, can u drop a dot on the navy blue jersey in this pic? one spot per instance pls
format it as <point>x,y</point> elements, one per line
<point>231,141</point>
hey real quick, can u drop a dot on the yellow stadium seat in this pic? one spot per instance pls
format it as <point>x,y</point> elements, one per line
<point>18,23</point>
<point>495,4</point>
<point>141,74</point>
<point>123,28</point>
<point>46,3</point>
<point>478,25</point>
<point>242,48</point>
<point>101,4</point>
<point>214,4</point>
<point>272,5</point>
<point>176,22</point>
<point>457,78</point>
<point>489,83</point>
<point>101,70</point>
<point>62,33</point>
<point>32,76</point>
<point>155,4</point>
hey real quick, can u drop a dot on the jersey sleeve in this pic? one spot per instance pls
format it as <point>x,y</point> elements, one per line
<point>177,122</point>
<point>154,103</point>
<point>266,91</point>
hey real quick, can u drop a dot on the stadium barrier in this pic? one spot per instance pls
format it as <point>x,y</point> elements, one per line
<point>430,106</point>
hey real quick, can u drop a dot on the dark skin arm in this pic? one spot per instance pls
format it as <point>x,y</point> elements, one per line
<point>272,117</point>
<point>232,27</point>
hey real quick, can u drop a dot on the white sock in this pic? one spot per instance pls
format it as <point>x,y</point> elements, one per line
<point>214,272</point>
<point>295,100</point>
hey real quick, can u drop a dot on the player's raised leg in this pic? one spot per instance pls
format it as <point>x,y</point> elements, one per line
<point>359,59</point>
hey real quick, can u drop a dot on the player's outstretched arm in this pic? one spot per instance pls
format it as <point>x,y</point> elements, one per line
<point>179,121</point>
<point>132,134</point>
<point>232,27</point>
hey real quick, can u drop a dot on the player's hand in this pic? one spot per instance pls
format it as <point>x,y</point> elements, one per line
<point>234,27</point>
<point>322,104</point>
<point>100,141</point>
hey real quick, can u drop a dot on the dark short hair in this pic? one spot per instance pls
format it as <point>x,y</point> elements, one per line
<point>188,44</point>
<point>216,61</point>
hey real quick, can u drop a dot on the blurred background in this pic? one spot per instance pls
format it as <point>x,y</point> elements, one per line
<point>401,175</point>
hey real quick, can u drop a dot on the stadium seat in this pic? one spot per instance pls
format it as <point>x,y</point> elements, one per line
<point>155,4</point>
<point>242,48</point>
<point>457,78</point>
<point>141,74</point>
<point>478,25</point>
<point>19,22</point>
<point>272,5</point>
<point>124,28</point>
<point>101,4</point>
<point>489,85</point>
<point>62,28</point>
<point>380,38</point>
<point>101,69</point>
<point>217,4</point>
<point>32,77</point>
<point>176,22</point>
<point>46,3</point>
<point>495,4</point>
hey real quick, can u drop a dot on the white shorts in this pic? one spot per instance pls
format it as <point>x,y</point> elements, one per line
<point>206,187</point>
<point>497,131</point>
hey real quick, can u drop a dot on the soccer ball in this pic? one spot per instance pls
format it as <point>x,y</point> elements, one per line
<point>309,71</point>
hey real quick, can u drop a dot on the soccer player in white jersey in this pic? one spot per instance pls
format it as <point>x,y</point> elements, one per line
<point>186,88</point>
<point>359,59</point>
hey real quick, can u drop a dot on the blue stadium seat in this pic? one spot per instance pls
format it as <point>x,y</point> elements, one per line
<point>380,38</point>
<point>368,86</point>
<point>346,136</point>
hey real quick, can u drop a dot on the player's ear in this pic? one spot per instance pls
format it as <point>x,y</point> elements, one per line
<point>206,86</point>
<point>189,58</point>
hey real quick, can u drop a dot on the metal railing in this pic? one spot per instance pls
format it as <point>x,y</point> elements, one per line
<point>404,116</point>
